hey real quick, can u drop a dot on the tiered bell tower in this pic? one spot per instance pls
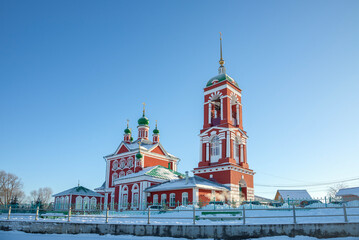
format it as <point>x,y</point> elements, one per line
<point>223,142</point>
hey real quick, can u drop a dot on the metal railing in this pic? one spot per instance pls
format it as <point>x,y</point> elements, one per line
<point>194,212</point>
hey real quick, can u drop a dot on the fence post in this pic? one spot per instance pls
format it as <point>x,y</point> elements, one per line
<point>194,214</point>
<point>325,199</point>
<point>244,215</point>
<point>8,216</point>
<point>69,215</point>
<point>345,213</point>
<point>37,213</point>
<point>148,215</point>
<point>294,217</point>
<point>107,215</point>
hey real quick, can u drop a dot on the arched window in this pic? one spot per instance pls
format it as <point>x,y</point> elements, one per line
<point>122,164</point>
<point>86,203</point>
<point>163,199</point>
<point>56,203</point>
<point>185,198</point>
<point>125,197</point>
<point>236,149</point>
<point>172,200</point>
<point>135,196</point>
<point>66,203</point>
<point>78,203</point>
<point>62,203</point>
<point>93,203</point>
<point>122,174</point>
<point>115,165</point>
<point>114,177</point>
<point>155,199</point>
<point>130,162</point>
<point>215,149</point>
<point>129,172</point>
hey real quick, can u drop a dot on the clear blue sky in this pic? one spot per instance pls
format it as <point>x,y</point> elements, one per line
<point>72,72</point>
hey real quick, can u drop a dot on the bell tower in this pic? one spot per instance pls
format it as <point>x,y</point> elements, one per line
<point>223,141</point>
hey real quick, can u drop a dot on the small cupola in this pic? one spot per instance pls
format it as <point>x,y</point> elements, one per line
<point>143,127</point>
<point>156,135</point>
<point>127,134</point>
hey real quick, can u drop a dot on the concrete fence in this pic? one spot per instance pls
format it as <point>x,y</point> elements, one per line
<point>319,230</point>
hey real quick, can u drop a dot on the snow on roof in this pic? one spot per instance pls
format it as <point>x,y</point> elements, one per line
<point>348,191</point>
<point>157,172</point>
<point>192,182</point>
<point>146,145</point>
<point>294,194</point>
<point>79,190</point>
<point>102,186</point>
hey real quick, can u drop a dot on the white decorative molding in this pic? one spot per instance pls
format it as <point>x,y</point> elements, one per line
<point>222,87</point>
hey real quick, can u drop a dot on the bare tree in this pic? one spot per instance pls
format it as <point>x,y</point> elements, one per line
<point>10,186</point>
<point>43,195</point>
<point>332,191</point>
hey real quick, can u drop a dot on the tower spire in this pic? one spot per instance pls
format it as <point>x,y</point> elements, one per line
<point>221,68</point>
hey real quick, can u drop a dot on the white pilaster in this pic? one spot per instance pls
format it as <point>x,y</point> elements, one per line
<point>209,112</point>
<point>220,149</point>
<point>228,153</point>
<point>119,196</point>
<point>237,114</point>
<point>200,150</point>
<point>241,153</point>
<point>221,108</point>
<point>207,152</point>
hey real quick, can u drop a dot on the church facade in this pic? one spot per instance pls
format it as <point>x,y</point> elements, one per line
<point>141,172</point>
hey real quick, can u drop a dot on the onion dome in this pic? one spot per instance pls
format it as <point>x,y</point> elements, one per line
<point>139,155</point>
<point>143,121</point>
<point>156,131</point>
<point>131,139</point>
<point>127,131</point>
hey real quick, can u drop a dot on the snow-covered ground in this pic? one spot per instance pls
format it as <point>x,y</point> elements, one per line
<point>14,235</point>
<point>184,215</point>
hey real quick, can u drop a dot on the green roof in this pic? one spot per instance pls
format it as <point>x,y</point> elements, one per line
<point>143,121</point>
<point>139,155</point>
<point>220,78</point>
<point>127,131</point>
<point>156,131</point>
<point>165,173</point>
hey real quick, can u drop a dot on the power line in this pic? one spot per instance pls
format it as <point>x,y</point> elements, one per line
<point>308,185</point>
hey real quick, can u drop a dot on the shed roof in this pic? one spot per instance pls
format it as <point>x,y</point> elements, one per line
<point>348,191</point>
<point>294,194</point>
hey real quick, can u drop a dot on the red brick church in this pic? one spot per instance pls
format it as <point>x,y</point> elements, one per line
<point>142,172</point>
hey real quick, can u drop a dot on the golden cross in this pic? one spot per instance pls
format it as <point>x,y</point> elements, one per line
<point>144,105</point>
<point>127,122</point>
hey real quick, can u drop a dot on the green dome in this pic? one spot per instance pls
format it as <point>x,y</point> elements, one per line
<point>143,121</point>
<point>131,139</point>
<point>139,155</point>
<point>220,78</point>
<point>156,131</point>
<point>127,131</point>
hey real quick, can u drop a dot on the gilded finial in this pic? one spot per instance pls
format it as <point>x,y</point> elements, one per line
<point>127,122</point>
<point>156,124</point>
<point>139,146</point>
<point>144,105</point>
<point>221,61</point>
